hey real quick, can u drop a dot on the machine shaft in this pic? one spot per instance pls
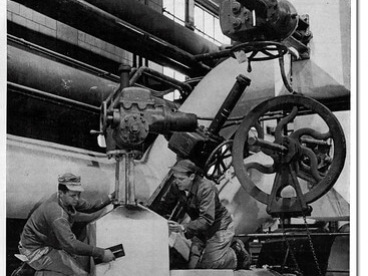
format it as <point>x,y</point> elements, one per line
<point>237,90</point>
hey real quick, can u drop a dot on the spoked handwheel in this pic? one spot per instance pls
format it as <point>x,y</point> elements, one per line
<point>267,50</point>
<point>220,159</point>
<point>305,162</point>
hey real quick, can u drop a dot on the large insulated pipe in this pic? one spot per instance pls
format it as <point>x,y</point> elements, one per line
<point>118,31</point>
<point>52,99</point>
<point>38,72</point>
<point>54,73</point>
<point>153,22</point>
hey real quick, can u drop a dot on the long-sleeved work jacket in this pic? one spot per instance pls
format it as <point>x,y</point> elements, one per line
<point>203,205</point>
<point>50,226</point>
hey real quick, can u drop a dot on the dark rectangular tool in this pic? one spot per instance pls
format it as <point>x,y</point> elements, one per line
<point>117,250</point>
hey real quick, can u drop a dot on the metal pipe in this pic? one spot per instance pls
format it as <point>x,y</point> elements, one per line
<point>184,87</point>
<point>254,141</point>
<point>124,177</point>
<point>153,22</point>
<point>129,182</point>
<point>42,94</point>
<point>314,141</point>
<point>235,93</point>
<point>63,58</point>
<point>283,75</point>
<point>45,74</point>
<point>124,70</point>
<point>211,56</point>
<point>86,67</point>
<point>120,191</point>
<point>90,19</point>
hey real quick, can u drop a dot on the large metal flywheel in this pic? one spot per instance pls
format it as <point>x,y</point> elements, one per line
<point>306,160</point>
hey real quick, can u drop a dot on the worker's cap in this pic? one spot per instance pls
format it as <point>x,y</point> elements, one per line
<point>71,181</point>
<point>184,166</point>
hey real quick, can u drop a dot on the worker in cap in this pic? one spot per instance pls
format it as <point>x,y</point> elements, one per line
<point>211,228</point>
<point>72,182</point>
<point>47,241</point>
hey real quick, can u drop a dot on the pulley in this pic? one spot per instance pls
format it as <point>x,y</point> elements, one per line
<point>306,162</point>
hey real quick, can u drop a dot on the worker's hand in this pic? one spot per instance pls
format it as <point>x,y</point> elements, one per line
<point>108,256</point>
<point>112,196</point>
<point>176,227</point>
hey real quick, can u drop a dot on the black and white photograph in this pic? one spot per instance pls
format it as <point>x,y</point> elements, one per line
<point>180,138</point>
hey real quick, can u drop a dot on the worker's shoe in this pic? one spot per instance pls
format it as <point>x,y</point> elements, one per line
<point>24,270</point>
<point>244,259</point>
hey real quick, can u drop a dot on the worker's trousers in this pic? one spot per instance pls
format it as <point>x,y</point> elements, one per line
<point>50,259</point>
<point>215,252</point>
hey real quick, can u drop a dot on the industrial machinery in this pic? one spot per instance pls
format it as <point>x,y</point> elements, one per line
<point>202,145</point>
<point>257,27</point>
<point>290,140</point>
<point>128,116</point>
<point>305,162</point>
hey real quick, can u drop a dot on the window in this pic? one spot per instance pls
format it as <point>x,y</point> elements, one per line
<point>176,75</point>
<point>207,25</point>
<point>175,10</point>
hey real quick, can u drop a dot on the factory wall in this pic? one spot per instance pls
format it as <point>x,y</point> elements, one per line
<point>41,23</point>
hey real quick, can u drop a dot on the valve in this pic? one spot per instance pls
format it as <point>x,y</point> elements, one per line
<point>306,162</point>
<point>257,20</point>
<point>127,117</point>
<point>135,114</point>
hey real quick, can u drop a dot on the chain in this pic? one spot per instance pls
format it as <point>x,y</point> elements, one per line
<point>290,248</point>
<point>309,237</point>
<point>311,246</point>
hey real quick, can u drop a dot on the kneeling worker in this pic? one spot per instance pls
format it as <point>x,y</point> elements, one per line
<point>47,240</point>
<point>211,228</point>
